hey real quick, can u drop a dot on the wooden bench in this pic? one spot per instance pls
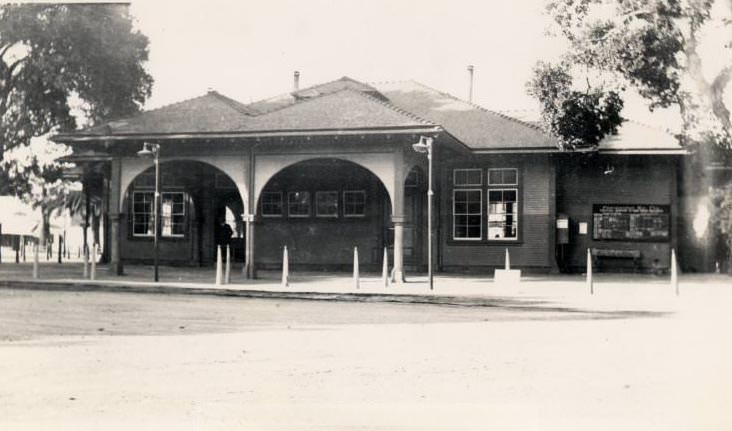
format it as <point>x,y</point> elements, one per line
<point>600,254</point>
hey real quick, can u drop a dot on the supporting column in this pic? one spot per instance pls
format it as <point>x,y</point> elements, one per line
<point>398,249</point>
<point>114,217</point>
<point>114,233</point>
<point>250,269</point>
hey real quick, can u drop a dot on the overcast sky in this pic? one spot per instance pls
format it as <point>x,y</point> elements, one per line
<point>248,50</point>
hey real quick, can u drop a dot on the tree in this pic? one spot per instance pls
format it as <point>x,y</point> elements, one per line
<point>55,59</point>
<point>650,46</point>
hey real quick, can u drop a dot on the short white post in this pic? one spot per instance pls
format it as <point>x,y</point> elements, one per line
<point>86,262</point>
<point>285,268</point>
<point>227,274</point>
<point>356,274</point>
<point>508,261</point>
<point>93,275</point>
<point>674,272</point>
<point>35,260</point>
<point>385,268</point>
<point>589,272</point>
<point>218,265</point>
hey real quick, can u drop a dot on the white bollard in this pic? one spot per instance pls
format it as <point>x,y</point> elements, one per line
<point>227,274</point>
<point>589,272</point>
<point>35,260</point>
<point>86,262</point>
<point>285,268</point>
<point>674,272</point>
<point>356,274</point>
<point>218,265</point>
<point>385,268</point>
<point>508,261</point>
<point>93,274</point>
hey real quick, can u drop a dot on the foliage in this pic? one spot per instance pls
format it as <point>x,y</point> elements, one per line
<point>578,119</point>
<point>54,59</point>
<point>722,217</point>
<point>653,47</point>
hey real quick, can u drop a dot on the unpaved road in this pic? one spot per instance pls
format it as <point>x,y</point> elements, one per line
<point>89,361</point>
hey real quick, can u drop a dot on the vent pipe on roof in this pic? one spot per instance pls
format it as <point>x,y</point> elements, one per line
<point>470,83</point>
<point>296,81</point>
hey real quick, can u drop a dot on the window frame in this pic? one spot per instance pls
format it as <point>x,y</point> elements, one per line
<point>515,189</point>
<point>317,208</point>
<point>454,177</point>
<point>162,194</point>
<point>454,214</point>
<point>345,205</point>
<point>309,204</point>
<point>282,205</point>
<point>515,183</point>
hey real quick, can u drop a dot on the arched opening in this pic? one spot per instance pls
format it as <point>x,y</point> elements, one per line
<point>415,222</point>
<point>200,208</point>
<point>321,209</point>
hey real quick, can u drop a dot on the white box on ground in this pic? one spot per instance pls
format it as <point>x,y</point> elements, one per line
<point>507,276</point>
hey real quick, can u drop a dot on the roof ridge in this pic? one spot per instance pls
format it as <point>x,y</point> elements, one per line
<point>393,107</point>
<point>476,106</point>
<point>292,93</point>
<point>232,103</point>
<point>160,108</point>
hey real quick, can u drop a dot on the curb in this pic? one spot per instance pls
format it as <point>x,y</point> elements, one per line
<point>166,289</point>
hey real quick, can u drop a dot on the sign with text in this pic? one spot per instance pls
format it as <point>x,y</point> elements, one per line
<point>618,222</point>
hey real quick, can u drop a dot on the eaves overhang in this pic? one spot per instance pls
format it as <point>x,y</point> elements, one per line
<point>78,138</point>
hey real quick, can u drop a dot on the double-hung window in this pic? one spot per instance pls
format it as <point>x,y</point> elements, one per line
<point>272,204</point>
<point>503,204</point>
<point>326,204</point>
<point>172,214</point>
<point>354,203</point>
<point>298,204</point>
<point>467,205</point>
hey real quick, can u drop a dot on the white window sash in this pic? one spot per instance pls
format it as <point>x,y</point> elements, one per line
<point>454,225</point>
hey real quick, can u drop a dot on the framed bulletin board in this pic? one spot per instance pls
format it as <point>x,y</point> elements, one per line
<point>619,222</point>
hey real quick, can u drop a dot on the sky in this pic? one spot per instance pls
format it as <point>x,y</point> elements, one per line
<point>248,50</point>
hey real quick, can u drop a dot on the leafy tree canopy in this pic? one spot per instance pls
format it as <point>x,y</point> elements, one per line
<point>650,46</point>
<point>52,56</point>
<point>60,63</point>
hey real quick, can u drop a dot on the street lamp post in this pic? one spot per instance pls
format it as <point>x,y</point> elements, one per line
<point>153,150</point>
<point>425,146</point>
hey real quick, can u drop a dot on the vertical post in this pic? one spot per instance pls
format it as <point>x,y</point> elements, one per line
<point>156,212</point>
<point>385,268</point>
<point>17,248</point>
<point>218,265</point>
<point>249,265</point>
<point>93,274</point>
<point>285,268</point>
<point>470,83</point>
<point>86,262</point>
<point>430,194</point>
<point>398,250</point>
<point>1,239</point>
<point>227,274</point>
<point>356,274</point>
<point>508,260</point>
<point>35,259</point>
<point>60,247</point>
<point>674,272</point>
<point>589,272</point>
<point>22,240</point>
<point>114,216</point>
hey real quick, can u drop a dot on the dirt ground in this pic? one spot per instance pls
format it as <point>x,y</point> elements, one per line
<point>86,361</point>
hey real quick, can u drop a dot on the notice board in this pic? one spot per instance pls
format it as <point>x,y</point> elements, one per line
<point>619,222</point>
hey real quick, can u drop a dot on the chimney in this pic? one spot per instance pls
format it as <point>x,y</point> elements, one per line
<point>470,83</point>
<point>296,81</point>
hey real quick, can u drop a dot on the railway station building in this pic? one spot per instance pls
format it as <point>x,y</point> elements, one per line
<point>331,167</point>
